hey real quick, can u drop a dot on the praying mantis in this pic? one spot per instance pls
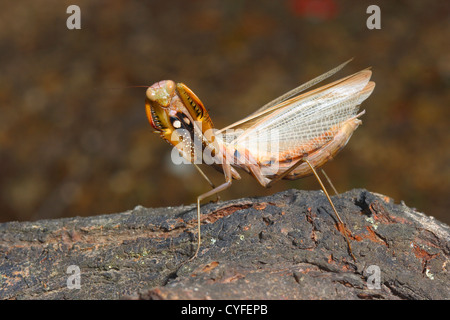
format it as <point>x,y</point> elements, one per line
<point>288,138</point>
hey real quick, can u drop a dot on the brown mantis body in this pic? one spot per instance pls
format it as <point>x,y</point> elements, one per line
<point>286,139</point>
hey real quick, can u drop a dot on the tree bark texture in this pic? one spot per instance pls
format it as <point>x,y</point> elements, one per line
<point>284,246</point>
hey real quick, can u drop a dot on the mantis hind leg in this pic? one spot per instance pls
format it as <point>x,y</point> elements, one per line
<point>329,182</point>
<point>267,183</point>
<point>334,209</point>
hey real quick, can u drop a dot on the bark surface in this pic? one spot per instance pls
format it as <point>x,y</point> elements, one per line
<point>284,246</point>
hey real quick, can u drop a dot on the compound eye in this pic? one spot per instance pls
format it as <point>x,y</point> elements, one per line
<point>152,94</point>
<point>170,87</point>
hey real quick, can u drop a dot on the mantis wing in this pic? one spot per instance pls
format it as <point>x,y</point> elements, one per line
<point>276,102</point>
<point>303,123</point>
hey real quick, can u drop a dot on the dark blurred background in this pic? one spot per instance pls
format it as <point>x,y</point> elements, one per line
<point>75,141</point>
